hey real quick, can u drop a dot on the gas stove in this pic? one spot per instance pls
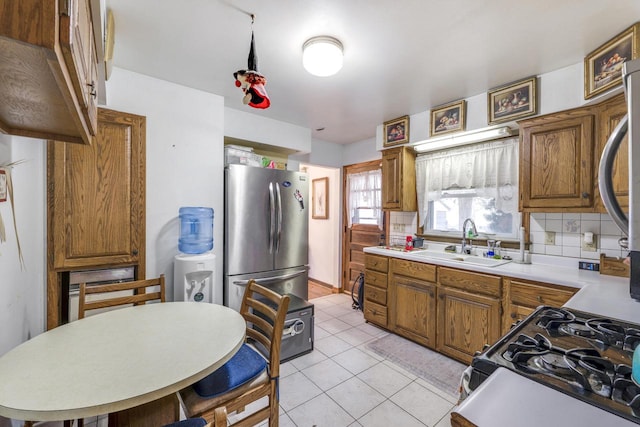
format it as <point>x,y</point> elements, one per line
<point>581,354</point>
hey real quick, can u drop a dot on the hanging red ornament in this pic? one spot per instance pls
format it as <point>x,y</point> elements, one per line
<point>251,81</point>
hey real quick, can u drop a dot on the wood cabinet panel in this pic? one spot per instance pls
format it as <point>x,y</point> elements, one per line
<point>376,279</point>
<point>96,203</point>
<point>376,262</point>
<point>466,322</point>
<point>414,269</point>
<point>399,179</point>
<point>556,160</point>
<point>375,313</point>
<point>413,312</point>
<point>470,281</point>
<point>43,96</point>
<point>610,114</point>
<point>375,294</point>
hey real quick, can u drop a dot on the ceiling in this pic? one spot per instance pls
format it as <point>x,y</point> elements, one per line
<point>400,57</point>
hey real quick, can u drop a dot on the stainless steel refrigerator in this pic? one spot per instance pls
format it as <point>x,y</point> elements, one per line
<point>266,222</point>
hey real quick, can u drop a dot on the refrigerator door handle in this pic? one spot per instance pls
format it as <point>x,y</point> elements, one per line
<point>279,218</point>
<point>272,218</point>
<point>268,280</point>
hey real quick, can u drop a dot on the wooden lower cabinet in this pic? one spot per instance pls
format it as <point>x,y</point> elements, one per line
<point>466,322</point>
<point>375,289</point>
<point>413,301</point>
<point>524,296</point>
<point>469,312</point>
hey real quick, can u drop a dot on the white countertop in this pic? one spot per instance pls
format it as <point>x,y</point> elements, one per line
<point>116,360</point>
<point>599,294</point>
<point>509,399</point>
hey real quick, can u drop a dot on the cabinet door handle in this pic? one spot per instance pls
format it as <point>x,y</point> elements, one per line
<point>539,298</point>
<point>513,315</point>
<point>135,252</point>
<point>585,195</point>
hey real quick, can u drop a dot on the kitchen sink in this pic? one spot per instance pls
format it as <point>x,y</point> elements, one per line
<point>467,259</point>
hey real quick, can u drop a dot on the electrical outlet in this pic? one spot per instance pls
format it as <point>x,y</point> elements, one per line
<point>398,227</point>
<point>549,237</point>
<point>589,247</point>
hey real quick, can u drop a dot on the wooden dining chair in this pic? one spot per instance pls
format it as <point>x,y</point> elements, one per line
<point>247,376</point>
<point>110,295</point>
<point>219,420</point>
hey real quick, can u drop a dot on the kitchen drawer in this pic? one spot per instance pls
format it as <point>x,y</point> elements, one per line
<point>417,270</point>
<point>374,294</point>
<point>374,278</point>
<point>474,282</point>
<point>377,263</point>
<point>375,313</point>
<point>533,295</point>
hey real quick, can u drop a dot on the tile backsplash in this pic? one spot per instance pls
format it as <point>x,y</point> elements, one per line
<point>401,225</point>
<point>563,234</point>
<point>559,234</point>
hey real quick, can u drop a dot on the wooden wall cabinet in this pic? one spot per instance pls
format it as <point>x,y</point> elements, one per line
<point>399,179</point>
<point>49,70</point>
<point>556,161</point>
<point>469,312</point>
<point>522,297</point>
<point>610,113</point>
<point>412,308</point>
<point>375,289</point>
<point>560,155</point>
<point>96,202</point>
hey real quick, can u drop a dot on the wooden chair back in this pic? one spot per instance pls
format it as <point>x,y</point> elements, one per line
<point>265,321</point>
<point>111,294</point>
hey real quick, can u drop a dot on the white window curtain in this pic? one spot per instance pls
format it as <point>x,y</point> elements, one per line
<point>490,169</point>
<point>365,192</point>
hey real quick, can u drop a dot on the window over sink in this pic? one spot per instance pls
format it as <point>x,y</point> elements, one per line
<point>478,181</point>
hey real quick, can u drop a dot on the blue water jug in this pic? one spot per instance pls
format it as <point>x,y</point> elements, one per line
<point>196,230</point>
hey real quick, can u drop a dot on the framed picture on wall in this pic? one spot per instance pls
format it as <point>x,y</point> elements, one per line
<point>603,66</point>
<point>320,198</point>
<point>448,118</point>
<point>396,131</point>
<point>512,101</point>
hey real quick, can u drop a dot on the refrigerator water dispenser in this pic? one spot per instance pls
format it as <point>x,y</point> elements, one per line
<point>194,278</point>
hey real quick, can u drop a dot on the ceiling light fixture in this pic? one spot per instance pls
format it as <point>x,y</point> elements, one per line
<point>322,56</point>
<point>464,138</point>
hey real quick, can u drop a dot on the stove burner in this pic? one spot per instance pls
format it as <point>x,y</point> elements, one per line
<point>578,329</point>
<point>555,363</point>
<point>609,332</point>
<point>627,392</point>
<point>551,318</point>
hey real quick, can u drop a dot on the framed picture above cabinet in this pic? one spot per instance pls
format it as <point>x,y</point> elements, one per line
<point>512,101</point>
<point>448,118</point>
<point>603,66</point>
<point>396,131</point>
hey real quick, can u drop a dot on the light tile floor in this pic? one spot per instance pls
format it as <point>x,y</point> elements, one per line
<point>341,383</point>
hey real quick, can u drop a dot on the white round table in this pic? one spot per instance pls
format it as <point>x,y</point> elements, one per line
<point>117,360</point>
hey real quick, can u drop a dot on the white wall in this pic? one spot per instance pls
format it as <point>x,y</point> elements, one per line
<point>22,292</point>
<point>185,160</point>
<point>324,234</point>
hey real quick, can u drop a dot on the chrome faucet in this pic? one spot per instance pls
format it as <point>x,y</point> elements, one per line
<point>466,248</point>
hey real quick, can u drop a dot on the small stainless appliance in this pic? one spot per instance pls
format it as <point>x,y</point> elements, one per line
<point>630,125</point>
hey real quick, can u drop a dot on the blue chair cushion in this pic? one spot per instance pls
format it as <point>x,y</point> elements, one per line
<point>191,422</point>
<point>244,366</point>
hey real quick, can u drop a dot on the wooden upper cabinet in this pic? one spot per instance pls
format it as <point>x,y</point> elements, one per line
<point>96,197</point>
<point>48,68</point>
<point>399,179</point>
<point>609,115</point>
<point>556,161</point>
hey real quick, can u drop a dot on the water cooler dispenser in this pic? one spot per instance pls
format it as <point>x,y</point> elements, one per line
<point>194,268</point>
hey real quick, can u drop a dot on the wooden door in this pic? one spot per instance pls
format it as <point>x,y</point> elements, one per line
<point>357,236</point>
<point>466,322</point>
<point>556,170</point>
